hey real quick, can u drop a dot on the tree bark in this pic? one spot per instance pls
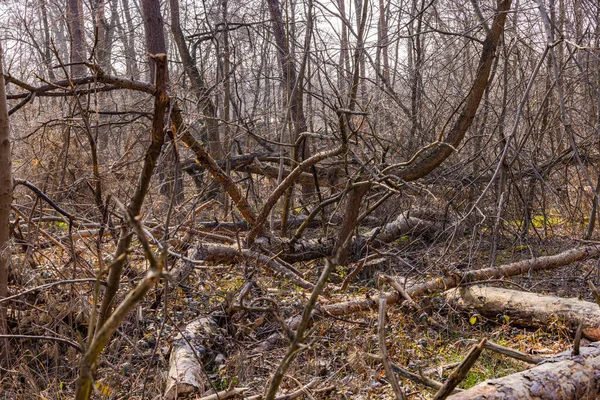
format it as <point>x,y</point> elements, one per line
<point>134,207</point>
<point>563,377</point>
<point>531,309</point>
<point>186,373</point>
<point>6,192</point>
<point>453,280</point>
<point>77,32</point>
<point>155,37</point>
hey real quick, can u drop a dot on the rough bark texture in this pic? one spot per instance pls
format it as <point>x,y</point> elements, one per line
<point>153,28</point>
<point>531,309</point>
<point>563,377</point>
<point>214,252</point>
<point>77,33</point>
<point>204,159</point>
<point>161,101</point>
<point>341,248</point>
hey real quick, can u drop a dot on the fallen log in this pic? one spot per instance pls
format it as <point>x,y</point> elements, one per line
<point>530,309</point>
<point>215,252</point>
<point>457,278</point>
<point>413,222</point>
<point>186,372</point>
<point>310,249</point>
<point>562,377</point>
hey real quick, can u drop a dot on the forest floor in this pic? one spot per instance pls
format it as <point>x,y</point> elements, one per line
<point>249,345</point>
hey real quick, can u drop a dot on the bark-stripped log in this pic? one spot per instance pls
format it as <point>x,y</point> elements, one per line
<point>530,309</point>
<point>563,377</point>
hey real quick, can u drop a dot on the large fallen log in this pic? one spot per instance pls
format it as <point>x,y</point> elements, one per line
<point>186,372</point>
<point>309,249</point>
<point>530,309</point>
<point>563,377</point>
<point>457,278</point>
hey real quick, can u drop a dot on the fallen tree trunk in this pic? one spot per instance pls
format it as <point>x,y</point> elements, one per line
<point>215,253</point>
<point>563,377</point>
<point>530,309</point>
<point>186,372</point>
<point>458,278</point>
<point>310,249</point>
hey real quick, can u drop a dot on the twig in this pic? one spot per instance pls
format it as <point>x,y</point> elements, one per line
<point>289,396</point>
<point>423,380</point>
<point>47,199</point>
<point>383,350</point>
<point>401,292</point>
<point>509,352</point>
<point>53,338</point>
<point>577,341</point>
<point>461,371</point>
<point>594,292</point>
<point>296,345</point>
<point>224,394</point>
<point>48,285</point>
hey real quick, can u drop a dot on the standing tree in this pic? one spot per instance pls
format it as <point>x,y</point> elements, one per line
<point>6,191</point>
<point>77,36</point>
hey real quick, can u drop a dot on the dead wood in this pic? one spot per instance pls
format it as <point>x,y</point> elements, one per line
<point>419,378</point>
<point>460,372</point>
<point>387,366</point>
<point>215,252</point>
<point>531,309</point>
<point>309,249</point>
<point>517,355</point>
<point>453,280</point>
<point>562,377</point>
<point>186,372</point>
<point>404,224</point>
<point>224,394</point>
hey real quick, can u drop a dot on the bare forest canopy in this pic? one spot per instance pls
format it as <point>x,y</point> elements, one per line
<point>226,198</point>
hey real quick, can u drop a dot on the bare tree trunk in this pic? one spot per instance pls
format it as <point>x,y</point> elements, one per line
<point>292,84</point>
<point>46,28</point>
<point>101,31</point>
<point>153,28</point>
<point>169,173</point>
<point>428,160</point>
<point>131,57</point>
<point>341,248</point>
<point>77,32</point>
<point>415,61</point>
<point>198,86</point>
<point>344,66</point>
<point>6,190</point>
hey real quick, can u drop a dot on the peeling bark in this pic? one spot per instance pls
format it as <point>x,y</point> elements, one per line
<point>186,373</point>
